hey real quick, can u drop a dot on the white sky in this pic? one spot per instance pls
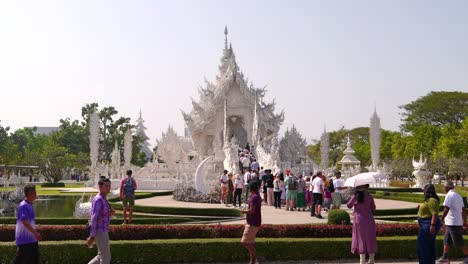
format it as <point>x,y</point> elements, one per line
<point>325,62</point>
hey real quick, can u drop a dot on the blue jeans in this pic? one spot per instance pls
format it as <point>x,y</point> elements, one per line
<point>426,241</point>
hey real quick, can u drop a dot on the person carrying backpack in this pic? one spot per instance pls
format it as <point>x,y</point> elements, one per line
<point>127,196</point>
<point>291,190</point>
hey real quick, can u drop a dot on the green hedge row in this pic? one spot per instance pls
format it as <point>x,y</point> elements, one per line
<point>396,190</point>
<point>51,184</point>
<point>182,210</point>
<point>142,196</point>
<point>114,221</point>
<point>220,250</point>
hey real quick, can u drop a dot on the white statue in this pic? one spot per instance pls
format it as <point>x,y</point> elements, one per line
<point>421,173</point>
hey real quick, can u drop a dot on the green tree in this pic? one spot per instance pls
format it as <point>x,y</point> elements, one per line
<point>435,108</point>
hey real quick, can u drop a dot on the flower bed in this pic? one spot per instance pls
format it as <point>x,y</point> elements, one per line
<point>132,232</point>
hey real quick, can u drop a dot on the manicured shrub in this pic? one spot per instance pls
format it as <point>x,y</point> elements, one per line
<point>396,190</point>
<point>221,250</point>
<point>182,210</point>
<point>51,184</point>
<point>142,196</point>
<point>338,217</point>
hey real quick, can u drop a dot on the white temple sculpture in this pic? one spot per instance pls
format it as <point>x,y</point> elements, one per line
<point>229,108</point>
<point>127,150</point>
<point>421,173</point>
<point>350,165</point>
<point>94,148</point>
<point>374,132</point>
<point>229,114</point>
<point>324,149</point>
<point>115,165</point>
<point>293,147</point>
<point>140,132</point>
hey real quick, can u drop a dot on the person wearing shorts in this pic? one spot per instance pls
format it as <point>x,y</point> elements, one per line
<point>317,194</point>
<point>128,186</point>
<point>455,220</point>
<point>254,221</point>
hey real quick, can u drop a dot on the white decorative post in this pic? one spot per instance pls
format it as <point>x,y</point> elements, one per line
<point>374,132</point>
<point>127,149</point>
<point>324,149</point>
<point>93,147</point>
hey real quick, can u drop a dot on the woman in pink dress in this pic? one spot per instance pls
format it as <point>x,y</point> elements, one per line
<point>364,234</point>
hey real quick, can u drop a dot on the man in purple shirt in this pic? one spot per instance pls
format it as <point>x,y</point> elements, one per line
<point>254,221</point>
<point>26,234</point>
<point>99,224</point>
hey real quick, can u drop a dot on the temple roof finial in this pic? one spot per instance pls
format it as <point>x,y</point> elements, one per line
<point>225,37</point>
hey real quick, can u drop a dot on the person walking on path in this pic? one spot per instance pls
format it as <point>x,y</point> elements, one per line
<point>364,238</point>
<point>239,186</point>
<point>301,195</point>
<point>26,235</point>
<point>317,188</point>
<point>277,184</point>
<point>291,190</point>
<point>254,221</point>
<point>99,223</point>
<point>429,225</point>
<point>339,187</point>
<point>127,196</point>
<point>223,179</point>
<point>230,191</point>
<point>270,188</point>
<point>455,220</point>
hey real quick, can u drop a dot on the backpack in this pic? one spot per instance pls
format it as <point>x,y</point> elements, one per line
<point>331,188</point>
<point>129,188</point>
<point>292,184</point>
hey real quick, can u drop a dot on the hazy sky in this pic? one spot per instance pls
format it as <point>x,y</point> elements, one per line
<point>325,62</point>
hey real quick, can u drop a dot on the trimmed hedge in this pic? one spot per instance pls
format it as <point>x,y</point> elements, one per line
<point>51,184</point>
<point>114,221</point>
<point>182,210</point>
<point>142,196</point>
<point>132,232</point>
<point>396,190</point>
<point>338,217</point>
<point>208,250</point>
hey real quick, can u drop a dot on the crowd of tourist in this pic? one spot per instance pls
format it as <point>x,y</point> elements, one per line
<point>314,192</point>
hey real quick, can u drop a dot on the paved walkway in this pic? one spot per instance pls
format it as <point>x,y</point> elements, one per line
<point>270,215</point>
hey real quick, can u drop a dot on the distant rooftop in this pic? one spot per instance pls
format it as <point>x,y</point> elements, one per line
<point>45,130</point>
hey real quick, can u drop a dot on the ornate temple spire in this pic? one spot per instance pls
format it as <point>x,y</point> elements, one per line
<point>140,131</point>
<point>225,38</point>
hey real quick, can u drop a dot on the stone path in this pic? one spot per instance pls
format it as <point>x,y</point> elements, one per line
<point>270,215</point>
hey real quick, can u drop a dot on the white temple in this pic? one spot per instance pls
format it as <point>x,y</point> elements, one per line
<point>140,131</point>
<point>349,164</point>
<point>374,133</point>
<point>230,114</point>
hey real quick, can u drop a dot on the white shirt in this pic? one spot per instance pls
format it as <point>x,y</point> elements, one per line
<point>245,162</point>
<point>337,183</point>
<point>225,178</point>
<point>454,201</point>
<point>238,184</point>
<point>317,183</point>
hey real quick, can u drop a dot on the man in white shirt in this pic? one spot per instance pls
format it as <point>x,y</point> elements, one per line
<point>224,186</point>
<point>339,187</point>
<point>455,219</point>
<point>317,194</point>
